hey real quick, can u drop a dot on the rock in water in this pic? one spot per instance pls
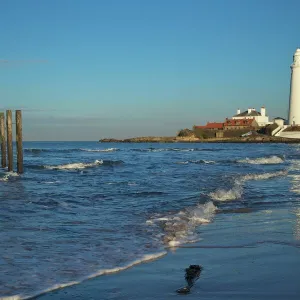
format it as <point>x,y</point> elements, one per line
<point>192,273</point>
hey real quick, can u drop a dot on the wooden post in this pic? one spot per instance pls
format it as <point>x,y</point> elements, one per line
<point>9,140</point>
<point>19,142</point>
<point>3,140</point>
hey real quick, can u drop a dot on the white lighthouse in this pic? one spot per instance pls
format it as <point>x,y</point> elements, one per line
<point>294,111</point>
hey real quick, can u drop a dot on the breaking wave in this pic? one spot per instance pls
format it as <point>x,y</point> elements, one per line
<point>224,195</point>
<point>75,166</point>
<point>7,176</point>
<point>100,150</point>
<point>262,176</point>
<point>179,228</point>
<point>263,160</point>
<point>174,149</point>
<point>236,191</point>
<point>80,165</point>
<point>144,258</point>
<point>201,161</point>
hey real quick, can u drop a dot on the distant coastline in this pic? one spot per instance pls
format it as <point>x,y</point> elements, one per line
<point>176,139</point>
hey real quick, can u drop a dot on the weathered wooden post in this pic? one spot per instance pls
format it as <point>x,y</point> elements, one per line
<point>9,140</point>
<point>3,140</point>
<point>19,142</point>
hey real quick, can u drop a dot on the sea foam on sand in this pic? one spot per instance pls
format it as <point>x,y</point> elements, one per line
<point>144,258</point>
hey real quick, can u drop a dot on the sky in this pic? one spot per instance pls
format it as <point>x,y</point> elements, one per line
<point>91,69</point>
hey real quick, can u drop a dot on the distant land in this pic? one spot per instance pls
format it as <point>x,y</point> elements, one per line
<point>222,133</point>
<point>157,139</point>
<point>257,138</point>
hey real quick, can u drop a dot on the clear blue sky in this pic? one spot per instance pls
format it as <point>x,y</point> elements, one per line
<point>84,70</point>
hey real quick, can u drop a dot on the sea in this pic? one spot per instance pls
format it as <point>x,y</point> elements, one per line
<point>85,209</point>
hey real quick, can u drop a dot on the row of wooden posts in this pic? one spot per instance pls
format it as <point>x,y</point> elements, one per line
<point>7,141</point>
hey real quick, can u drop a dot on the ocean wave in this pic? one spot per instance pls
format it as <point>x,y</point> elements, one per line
<point>272,160</point>
<point>145,193</point>
<point>34,151</point>
<point>143,259</point>
<point>262,176</point>
<point>42,150</point>
<point>224,195</point>
<point>179,228</point>
<point>100,150</point>
<point>201,161</point>
<point>75,166</point>
<point>59,150</point>
<point>173,149</point>
<point>8,175</point>
<point>236,191</point>
<point>295,183</point>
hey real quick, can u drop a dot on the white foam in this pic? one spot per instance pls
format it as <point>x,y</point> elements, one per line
<point>8,175</point>
<point>100,150</point>
<point>262,176</point>
<point>263,160</point>
<point>183,150</point>
<point>75,166</point>
<point>237,190</point>
<point>295,165</point>
<point>295,180</point>
<point>179,228</point>
<point>143,259</point>
<point>169,149</point>
<point>224,195</point>
<point>202,161</point>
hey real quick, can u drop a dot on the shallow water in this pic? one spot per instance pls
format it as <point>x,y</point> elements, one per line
<point>85,209</point>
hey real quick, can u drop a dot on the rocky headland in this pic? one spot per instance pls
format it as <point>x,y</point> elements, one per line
<point>189,136</point>
<point>176,139</point>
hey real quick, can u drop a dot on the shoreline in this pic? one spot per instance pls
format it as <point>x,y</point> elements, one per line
<point>234,266</point>
<point>157,139</point>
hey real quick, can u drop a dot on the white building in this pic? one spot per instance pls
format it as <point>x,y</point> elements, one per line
<point>260,117</point>
<point>279,121</point>
<point>294,111</point>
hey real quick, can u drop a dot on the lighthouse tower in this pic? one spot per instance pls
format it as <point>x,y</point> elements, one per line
<point>294,111</point>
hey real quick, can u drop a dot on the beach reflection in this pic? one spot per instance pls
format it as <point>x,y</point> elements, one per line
<point>297,224</point>
<point>295,183</point>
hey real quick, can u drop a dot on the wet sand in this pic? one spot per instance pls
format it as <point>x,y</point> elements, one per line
<point>253,255</point>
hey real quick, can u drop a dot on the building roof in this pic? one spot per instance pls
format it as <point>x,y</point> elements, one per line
<point>228,122</point>
<point>213,125</point>
<point>253,113</point>
<point>243,122</point>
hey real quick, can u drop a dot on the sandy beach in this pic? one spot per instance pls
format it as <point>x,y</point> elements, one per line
<point>245,256</point>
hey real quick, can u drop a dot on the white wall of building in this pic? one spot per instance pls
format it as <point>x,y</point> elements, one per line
<point>261,120</point>
<point>294,111</point>
<point>279,122</point>
<point>290,134</point>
